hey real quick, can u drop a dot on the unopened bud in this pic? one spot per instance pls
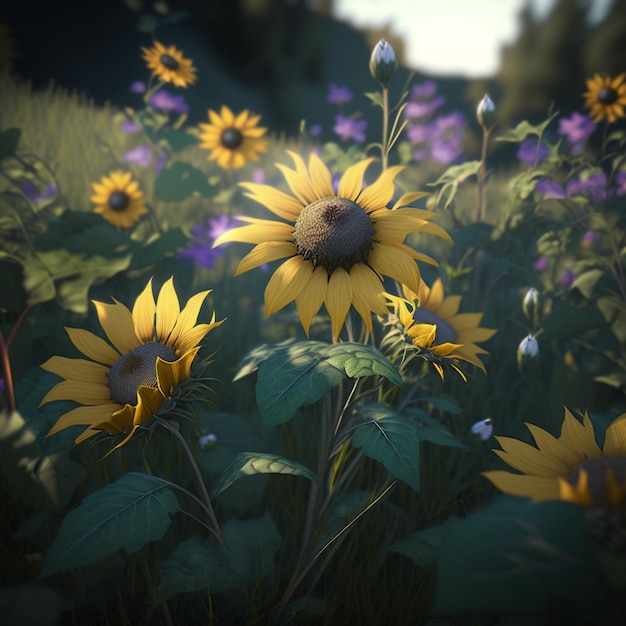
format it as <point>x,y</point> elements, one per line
<point>486,112</point>
<point>527,351</point>
<point>383,63</point>
<point>207,442</point>
<point>483,428</point>
<point>531,305</point>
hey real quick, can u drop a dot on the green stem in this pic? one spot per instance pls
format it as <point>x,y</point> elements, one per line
<point>385,149</point>
<point>6,361</point>
<point>482,174</point>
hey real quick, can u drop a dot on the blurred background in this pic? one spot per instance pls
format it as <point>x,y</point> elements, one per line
<point>277,57</point>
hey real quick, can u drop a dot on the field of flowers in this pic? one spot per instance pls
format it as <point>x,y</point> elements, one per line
<point>250,379</point>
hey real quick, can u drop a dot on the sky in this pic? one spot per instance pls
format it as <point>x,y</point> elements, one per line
<point>450,37</point>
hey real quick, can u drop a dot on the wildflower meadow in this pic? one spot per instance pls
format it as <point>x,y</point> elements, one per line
<point>255,378</point>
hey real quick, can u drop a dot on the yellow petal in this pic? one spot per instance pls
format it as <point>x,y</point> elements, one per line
<point>408,198</point>
<point>351,182</point>
<point>193,336</point>
<point>390,260</point>
<point>280,203</point>
<point>265,252</point>
<point>80,391</point>
<point>188,317</point>
<point>286,283</point>
<point>615,437</point>
<point>321,177</point>
<point>338,299</point>
<point>538,488</point>
<point>309,301</point>
<point>260,231</point>
<point>143,314</point>
<point>169,374</point>
<point>380,193</point>
<point>77,369</point>
<point>167,311</point>
<point>83,415</point>
<point>367,293</point>
<point>526,458</point>
<point>299,184</point>
<point>92,346</point>
<point>117,323</point>
<point>579,437</point>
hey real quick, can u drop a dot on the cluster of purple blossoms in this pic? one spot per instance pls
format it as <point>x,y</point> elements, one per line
<point>165,100</point>
<point>434,137</point>
<point>594,185</point>
<point>204,234</point>
<point>347,127</point>
<point>36,195</point>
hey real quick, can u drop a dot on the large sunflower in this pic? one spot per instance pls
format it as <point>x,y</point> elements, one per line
<point>434,323</point>
<point>571,467</point>
<point>606,97</point>
<point>338,245</point>
<point>119,200</point>
<point>232,140</point>
<point>123,383</point>
<point>169,65</point>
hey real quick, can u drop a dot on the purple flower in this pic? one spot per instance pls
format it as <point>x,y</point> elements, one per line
<point>542,263</point>
<point>549,189</point>
<point>348,128</point>
<point>620,183</point>
<point>419,133</point>
<point>219,225</point>
<point>138,86</point>
<point>591,238</point>
<point>128,126</point>
<point>167,101</point>
<point>445,151</point>
<point>568,278</point>
<point>258,176</point>
<point>425,90</point>
<point>32,193</point>
<point>594,186</point>
<point>576,129</point>
<point>140,156</point>
<point>338,95</point>
<point>417,110</point>
<point>528,153</point>
<point>315,130</point>
<point>160,163</point>
<point>201,255</point>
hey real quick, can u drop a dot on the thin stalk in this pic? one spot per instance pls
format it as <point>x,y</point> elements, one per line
<point>385,149</point>
<point>5,346</point>
<point>482,174</point>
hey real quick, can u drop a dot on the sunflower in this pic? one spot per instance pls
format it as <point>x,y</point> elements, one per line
<point>119,200</point>
<point>433,322</point>
<point>123,383</point>
<point>338,245</point>
<point>571,467</point>
<point>232,140</point>
<point>169,65</point>
<point>606,97</point>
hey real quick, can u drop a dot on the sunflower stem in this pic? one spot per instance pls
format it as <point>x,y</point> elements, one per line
<point>385,148</point>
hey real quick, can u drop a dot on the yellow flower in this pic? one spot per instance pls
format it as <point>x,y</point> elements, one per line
<point>169,65</point>
<point>434,323</point>
<point>232,140</point>
<point>606,97</point>
<point>571,467</point>
<point>338,246</point>
<point>123,383</point>
<point>119,200</point>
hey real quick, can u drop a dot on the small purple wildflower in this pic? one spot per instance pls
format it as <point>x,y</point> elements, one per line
<point>338,94</point>
<point>424,91</point>
<point>568,278</point>
<point>138,87</point>
<point>620,183</point>
<point>576,129</point>
<point>160,163</point>
<point>593,186</point>
<point>542,263</point>
<point>549,189</point>
<point>167,101</point>
<point>315,130</point>
<point>32,193</point>
<point>528,153</point>
<point>348,128</point>
<point>219,225</point>
<point>207,441</point>
<point>419,110</point>
<point>591,238</point>
<point>258,176</point>
<point>204,235</point>
<point>140,156</point>
<point>128,126</point>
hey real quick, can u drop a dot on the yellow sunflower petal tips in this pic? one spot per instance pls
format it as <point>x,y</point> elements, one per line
<point>337,246</point>
<point>233,140</point>
<point>169,65</point>
<point>121,384</point>
<point>119,200</point>
<point>606,97</point>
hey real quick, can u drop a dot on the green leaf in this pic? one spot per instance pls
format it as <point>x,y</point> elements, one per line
<point>453,177</point>
<point>515,557</point>
<point>176,140</point>
<point>431,429</point>
<point>376,98</point>
<point>301,373</point>
<point>158,247</point>
<point>126,514</point>
<point>9,139</point>
<point>391,439</point>
<point>252,361</point>
<point>251,463</point>
<point>446,404</point>
<point>423,546</point>
<point>566,321</point>
<point>181,180</point>
<point>197,564</point>
<point>524,129</point>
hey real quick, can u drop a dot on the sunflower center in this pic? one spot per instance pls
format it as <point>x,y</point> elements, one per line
<point>118,200</point>
<point>596,474</point>
<point>169,62</point>
<point>231,138</point>
<point>445,332</point>
<point>333,233</point>
<point>607,95</point>
<point>135,368</point>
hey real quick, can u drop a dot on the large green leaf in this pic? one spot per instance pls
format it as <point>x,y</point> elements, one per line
<point>524,129</point>
<point>251,463</point>
<point>423,546</point>
<point>159,246</point>
<point>431,429</point>
<point>126,514</point>
<point>391,439</point>
<point>181,180</point>
<point>197,564</point>
<point>301,373</point>
<point>176,140</point>
<point>515,557</point>
<point>566,321</point>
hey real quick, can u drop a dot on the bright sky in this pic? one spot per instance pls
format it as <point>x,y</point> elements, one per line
<point>454,37</point>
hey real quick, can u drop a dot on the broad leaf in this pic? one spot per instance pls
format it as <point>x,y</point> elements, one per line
<point>251,463</point>
<point>158,247</point>
<point>524,129</point>
<point>423,546</point>
<point>176,140</point>
<point>431,429</point>
<point>126,515</point>
<point>181,180</point>
<point>391,439</point>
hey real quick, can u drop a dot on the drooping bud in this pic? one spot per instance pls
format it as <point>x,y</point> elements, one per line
<point>527,352</point>
<point>383,63</point>
<point>531,306</point>
<point>486,112</point>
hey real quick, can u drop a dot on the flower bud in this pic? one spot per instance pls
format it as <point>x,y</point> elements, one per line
<point>527,351</point>
<point>383,63</point>
<point>531,305</point>
<point>486,112</point>
<point>207,442</point>
<point>483,428</point>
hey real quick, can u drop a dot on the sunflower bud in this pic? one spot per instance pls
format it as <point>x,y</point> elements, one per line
<point>486,112</point>
<point>383,63</point>
<point>531,305</point>
<point>527,352</point>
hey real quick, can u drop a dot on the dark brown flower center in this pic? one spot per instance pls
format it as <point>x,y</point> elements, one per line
<point>445,332</point>
<point>596,474</point>
<point>333,233</point>
<point>607,95</point>
<point>169,62</point>
<point>135,368</point>
<point>231,138</point>
<point>119,200</point>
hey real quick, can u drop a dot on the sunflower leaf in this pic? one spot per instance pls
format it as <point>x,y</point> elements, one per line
<point>181,180</point>
<point>126,514</point>
<point>251,463</point>
<point>358,360</point>
<point>198,564</point>
<point>391,439</point>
